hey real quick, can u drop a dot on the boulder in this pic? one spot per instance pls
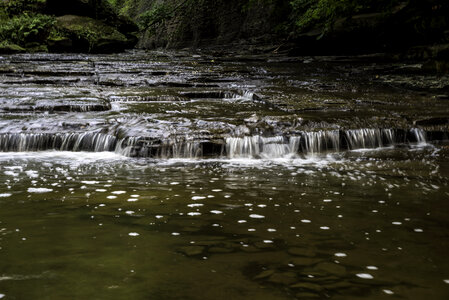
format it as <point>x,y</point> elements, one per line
<point>89,35</point>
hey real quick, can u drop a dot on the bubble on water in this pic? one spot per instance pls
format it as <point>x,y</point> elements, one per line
<point>217,190</point>
<point>241,221</point>
<point>132,200</point>
<point>133,234</point>
<point>111,197</point>
<point>135,196</point>
<point>268,241</point>
<point>340,254</point>
<point>174,183</point>
<point>130,212</point>
<point>324,228</point>
<point>271,230</point>
<point>175,233</point>
<point>256,216</point>
<point>396,223</point>
<point>194,213</point>
<point>101,190</point>
<point>5,195</point>
<point>364,276</point>
<point>159,217</point>
<point>90,182</point>
<point>388,292</point>
<point>198,198</point>
<point>216,212</point>
<point>418,230</point>
<point>306,221</point>
<point>39,190</point>
<point>195,205</point>
<point>371,267</point>
<point>118,192</point>
<point>327,200</point>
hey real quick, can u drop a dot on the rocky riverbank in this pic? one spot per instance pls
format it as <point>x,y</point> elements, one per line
<point>68,26</point>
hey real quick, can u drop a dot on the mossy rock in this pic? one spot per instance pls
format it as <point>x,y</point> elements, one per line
<point>90,35</point>
<point>6,48</point>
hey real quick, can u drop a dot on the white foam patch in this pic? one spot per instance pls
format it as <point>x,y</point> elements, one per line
<point>5,195</point>
<point>133,234</point>
<point>39,190</point>
<point>118,192</point>
<point>364,276</point>
<point>256,216</point>
<point>90,182</point>
<point>198,198</point>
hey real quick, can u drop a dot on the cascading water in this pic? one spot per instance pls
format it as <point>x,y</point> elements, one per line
<point>306,143</point>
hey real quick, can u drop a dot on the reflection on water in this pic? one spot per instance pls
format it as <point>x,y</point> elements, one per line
<point>359,224</point>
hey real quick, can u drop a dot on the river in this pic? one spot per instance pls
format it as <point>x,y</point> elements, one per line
<point>172,175</point>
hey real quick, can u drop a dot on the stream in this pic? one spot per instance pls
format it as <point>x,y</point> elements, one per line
<point>177,175</point>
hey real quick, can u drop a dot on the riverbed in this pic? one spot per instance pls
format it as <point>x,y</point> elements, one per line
<point>176,175</point>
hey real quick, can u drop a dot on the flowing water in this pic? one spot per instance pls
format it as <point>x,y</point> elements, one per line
<point>188,176</point>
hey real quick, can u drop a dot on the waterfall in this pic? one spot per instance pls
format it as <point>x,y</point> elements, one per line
<point>369,138</point>
<point>261,147</point>
<point>89,141</point>
<point>321,141</point>
<point>257,146</point>
<point>420,135</point>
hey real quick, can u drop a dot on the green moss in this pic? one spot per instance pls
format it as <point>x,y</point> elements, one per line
<point>25,28</point>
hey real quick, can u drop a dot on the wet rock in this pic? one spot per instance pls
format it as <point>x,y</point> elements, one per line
<point>433,121</point>
<point>301,252</point>
<point>304,261</point>
<point>191,250</point>
<point>331,268</point>
<point>285,278</point>
<point>264,274</point>
<point>307,286</point>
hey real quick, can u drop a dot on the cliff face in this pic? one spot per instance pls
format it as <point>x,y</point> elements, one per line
<point>307,27</point>
<point>178,23</point>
